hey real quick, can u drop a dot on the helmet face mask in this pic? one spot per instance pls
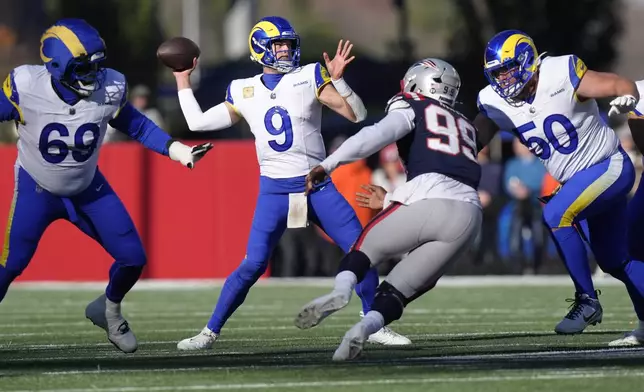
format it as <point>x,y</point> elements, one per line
<point>84,76</point>
<point>272,32</point>
<point>73,53</point>
<point>510,62</point>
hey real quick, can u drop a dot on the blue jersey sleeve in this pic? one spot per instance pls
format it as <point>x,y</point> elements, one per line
<point>10,101</point>
<point>135,124</point>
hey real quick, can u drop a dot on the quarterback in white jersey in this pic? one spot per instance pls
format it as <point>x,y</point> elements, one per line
<point>283,107</point>
<point>549,104</point>
<point>62,109</point>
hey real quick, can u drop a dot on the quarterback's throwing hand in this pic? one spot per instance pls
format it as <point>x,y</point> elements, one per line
<point>621,105</point>
<point>340,61</point>
<point>315,177</point>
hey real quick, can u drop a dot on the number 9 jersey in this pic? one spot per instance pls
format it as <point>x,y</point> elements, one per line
<point>58,142</point>
<point>566,134</point>
<point>285,121</point>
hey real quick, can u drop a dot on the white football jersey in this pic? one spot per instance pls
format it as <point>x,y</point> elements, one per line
<point>639,109</point>
<point>285,121</point>
<point>565,134</point>
<point>58,143</point>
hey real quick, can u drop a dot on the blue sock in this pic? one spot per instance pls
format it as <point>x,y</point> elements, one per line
<point>632,275</point>
<point>573,253</point>
<point>234,292</point>
<point>366,289</point>
<point>122,279</point>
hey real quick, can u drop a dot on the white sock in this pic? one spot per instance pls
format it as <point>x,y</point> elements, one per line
<point>373,322</point>
<point>345,282</point>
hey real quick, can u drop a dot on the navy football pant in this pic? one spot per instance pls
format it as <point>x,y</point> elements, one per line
<point>97,211</point>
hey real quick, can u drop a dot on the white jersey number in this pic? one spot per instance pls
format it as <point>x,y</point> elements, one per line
<point>540,147</point>
<point>55,151</point>
<point>458,133</point>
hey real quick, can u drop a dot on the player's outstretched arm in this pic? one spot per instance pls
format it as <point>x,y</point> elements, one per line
<point>594,84</point>
<point>140,128</point>
<point>216,118</point>
<point>395,125</point>
<point>338,96</point>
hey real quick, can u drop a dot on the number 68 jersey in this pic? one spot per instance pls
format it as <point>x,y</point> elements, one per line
<point>285,121</point>
<point>566,134</point>
<point>58,143</point>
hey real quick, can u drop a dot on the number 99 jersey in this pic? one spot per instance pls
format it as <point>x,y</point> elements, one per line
<point>443,141</point>
<point>285,121</point>
<point>58,143</point>
<point>566,134</point>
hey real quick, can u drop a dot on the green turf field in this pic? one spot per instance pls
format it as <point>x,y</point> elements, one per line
<point>465,339</point>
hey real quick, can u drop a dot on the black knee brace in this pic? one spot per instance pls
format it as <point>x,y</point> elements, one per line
<point>356,262</point>
<point>389,302</point>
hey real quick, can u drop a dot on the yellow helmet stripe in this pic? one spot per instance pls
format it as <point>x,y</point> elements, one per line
<point>69,38</point>
<point>510,44</point>
<point>271,31</point>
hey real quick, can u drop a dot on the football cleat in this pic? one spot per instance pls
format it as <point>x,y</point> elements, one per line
<point>320,308</point>
<point>584,311</point>
<point>387,337</point>
<point>203,341</point>
<point>630,339</point>
<point>352,343</point>
<point>107,315</point>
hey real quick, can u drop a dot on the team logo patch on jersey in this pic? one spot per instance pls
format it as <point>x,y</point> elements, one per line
<point>248,92</point>
<point>324,73</point>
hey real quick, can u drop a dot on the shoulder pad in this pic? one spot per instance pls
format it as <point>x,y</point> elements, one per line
<point>115,87</point>
<point>397,102</point>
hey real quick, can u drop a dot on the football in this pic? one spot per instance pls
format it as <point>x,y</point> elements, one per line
<point>177,53</point>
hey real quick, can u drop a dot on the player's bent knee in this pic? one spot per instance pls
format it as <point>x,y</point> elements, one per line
<point>389,302</point>
<point>252,268</point>
<point>553,216</point>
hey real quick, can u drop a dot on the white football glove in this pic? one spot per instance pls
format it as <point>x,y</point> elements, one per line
<point>187,155</point>
<point>621,105</point>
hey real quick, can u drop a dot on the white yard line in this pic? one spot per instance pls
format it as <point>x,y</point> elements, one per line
<point>361,382</point>
<point>191,284</point>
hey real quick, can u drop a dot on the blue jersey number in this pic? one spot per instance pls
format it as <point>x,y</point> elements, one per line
<point>286,128</point>
<point>541,148</point>
<point>81,151</point>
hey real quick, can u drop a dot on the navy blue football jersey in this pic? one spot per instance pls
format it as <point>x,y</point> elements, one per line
<point>443,141</point>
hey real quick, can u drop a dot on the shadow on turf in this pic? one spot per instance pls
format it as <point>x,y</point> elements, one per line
<point>457,353</point>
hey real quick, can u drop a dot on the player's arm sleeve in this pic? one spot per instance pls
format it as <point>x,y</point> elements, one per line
<point>10,101</point>
<point>347,97</point>
<point>214,119</point>
<point>140,128</point>
<point>396,124</point>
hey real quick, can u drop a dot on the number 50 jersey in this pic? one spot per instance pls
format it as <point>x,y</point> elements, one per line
<point>58,143</point>
<point>566,134</point>
<point>285,121</point>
